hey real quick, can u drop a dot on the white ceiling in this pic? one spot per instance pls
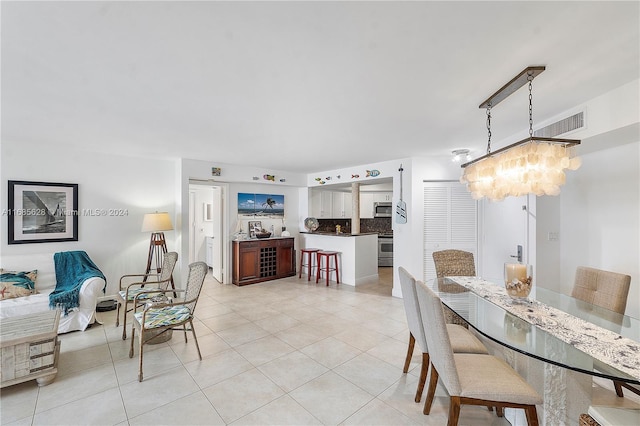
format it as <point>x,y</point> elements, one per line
<point>300,86</point>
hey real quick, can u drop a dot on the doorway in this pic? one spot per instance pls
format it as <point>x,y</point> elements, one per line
<point>505,225</point>
<point>206,222</point>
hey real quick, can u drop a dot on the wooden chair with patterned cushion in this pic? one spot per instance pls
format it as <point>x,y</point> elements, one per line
<point>159,317</point>
<point>454,263</point>
<point>608,290</point>
<point>473,379</point>
<point>143,285</point>
<point>462,341</point>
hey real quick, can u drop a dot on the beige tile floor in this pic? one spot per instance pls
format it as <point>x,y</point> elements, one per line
<point>283,352</point>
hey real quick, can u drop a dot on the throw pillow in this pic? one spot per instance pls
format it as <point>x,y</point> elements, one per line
<point>17,284</point>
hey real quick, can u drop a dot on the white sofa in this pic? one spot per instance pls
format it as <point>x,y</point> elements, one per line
<point>77,319</point>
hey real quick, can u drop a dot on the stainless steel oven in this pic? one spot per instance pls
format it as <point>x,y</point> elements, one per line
<point>385,250</point>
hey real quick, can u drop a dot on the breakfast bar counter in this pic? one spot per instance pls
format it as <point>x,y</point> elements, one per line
<point>358,258</point>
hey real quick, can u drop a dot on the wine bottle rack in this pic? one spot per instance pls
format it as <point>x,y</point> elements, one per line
<point>268,261</point>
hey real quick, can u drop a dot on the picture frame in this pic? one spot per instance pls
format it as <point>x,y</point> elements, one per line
<point>252,206</point>
<point>254,226</point>
<point>42,212</point>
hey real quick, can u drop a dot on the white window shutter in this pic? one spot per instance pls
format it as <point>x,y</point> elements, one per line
<point>450,221</point>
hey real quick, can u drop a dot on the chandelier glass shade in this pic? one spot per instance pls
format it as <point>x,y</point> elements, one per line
<point>533,165</point>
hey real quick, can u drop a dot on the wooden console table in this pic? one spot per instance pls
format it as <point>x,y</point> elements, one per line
<point>29,348</point>
<point>262,260</point>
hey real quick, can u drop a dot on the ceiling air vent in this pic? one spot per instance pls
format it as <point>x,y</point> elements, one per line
<point>563,126</point>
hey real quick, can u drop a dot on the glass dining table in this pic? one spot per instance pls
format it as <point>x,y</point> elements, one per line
<point>531,328</point>
<point>555,329</point>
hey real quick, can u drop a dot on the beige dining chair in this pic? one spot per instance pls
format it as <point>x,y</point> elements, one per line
<point>144,283</point>
<point>454,263</point>
<point>608,290</point>
<point>602,288</point>
<point>462,341</point>
<point>473,379</point>
<point>158,318</point>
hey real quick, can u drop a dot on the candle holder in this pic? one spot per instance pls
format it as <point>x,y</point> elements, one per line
<point>518,280</point>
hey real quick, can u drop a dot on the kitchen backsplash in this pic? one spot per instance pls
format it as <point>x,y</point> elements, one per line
<point>379,225</point>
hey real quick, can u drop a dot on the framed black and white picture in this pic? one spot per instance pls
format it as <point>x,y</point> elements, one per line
<point>254,226</point>
<point>42,212</point>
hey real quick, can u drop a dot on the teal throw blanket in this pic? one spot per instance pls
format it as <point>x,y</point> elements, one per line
<point>72,269</point>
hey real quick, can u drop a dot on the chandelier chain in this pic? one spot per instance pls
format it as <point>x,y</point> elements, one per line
<point>489,128</point>
<point>530,78</point>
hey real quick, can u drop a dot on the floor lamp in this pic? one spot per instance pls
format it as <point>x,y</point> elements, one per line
<point>156,223</point>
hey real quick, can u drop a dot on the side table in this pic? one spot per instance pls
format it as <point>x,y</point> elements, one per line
<point>29,348</point>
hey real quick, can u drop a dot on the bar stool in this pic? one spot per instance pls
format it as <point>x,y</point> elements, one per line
<point>327,256</point>
<point>310,253</point>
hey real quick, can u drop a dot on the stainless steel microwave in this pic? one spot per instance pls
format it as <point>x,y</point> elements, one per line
<point>382,209</point>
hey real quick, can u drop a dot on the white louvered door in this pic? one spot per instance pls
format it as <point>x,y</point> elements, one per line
<point>450,222</point>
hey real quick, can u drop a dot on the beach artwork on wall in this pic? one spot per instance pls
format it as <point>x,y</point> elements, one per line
<point>260,205</point>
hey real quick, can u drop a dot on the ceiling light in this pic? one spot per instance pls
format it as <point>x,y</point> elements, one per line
<point>460,154</point>
<point>534,165</point>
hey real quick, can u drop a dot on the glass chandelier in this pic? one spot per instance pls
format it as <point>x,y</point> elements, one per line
<point>533,165</point>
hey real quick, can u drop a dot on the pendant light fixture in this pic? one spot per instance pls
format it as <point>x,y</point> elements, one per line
<point>534,165</point>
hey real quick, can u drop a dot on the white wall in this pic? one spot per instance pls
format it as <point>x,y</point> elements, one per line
<point>136,185</point>
<point>357,173</point>
<point>237,178</point>
<point>600,218</point>
<point>597,214</point>
<point>408,239</point>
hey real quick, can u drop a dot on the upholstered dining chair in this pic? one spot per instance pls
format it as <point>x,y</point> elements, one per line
<point>456,263</point>
<point>157,318</point>
<point>462,341</point>
<point>128,292</point>
<point>602,288</point>
<point>473,379</point>
<point>608,290</point>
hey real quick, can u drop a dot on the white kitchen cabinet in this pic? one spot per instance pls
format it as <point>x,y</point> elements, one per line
<point>341,205</point>
<point>321,204</point>
<point>367,200</point>
<point>366,205</point>
<point>379,197</point>
<point>316,203</point>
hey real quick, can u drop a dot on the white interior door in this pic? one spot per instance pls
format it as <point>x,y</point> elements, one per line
<point>192,224</point>
<point>216,248</point>
<point>504,227</point>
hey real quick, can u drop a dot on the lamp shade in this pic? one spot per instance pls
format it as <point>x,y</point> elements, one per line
<point>156,222</point>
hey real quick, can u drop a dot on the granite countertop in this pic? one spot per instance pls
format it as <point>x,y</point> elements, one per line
<point>342,234</point>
